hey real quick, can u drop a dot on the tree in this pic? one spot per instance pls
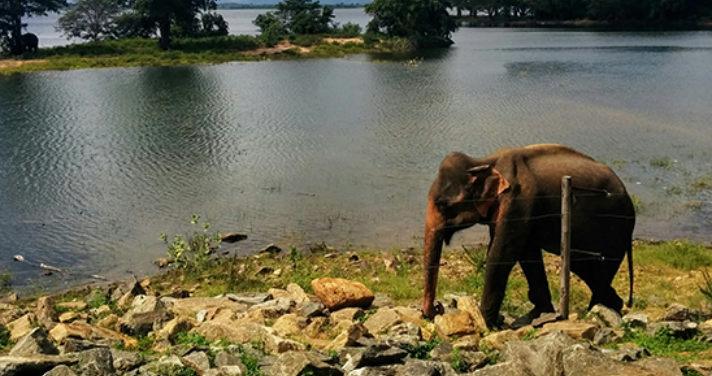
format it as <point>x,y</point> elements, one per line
<point>164,14</point>
<point>90,19</point>
<point>11,13</point>
<point>298,17</point>
<point>425,22</point>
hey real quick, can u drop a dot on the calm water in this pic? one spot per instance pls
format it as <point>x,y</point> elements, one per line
<point>94,164</point>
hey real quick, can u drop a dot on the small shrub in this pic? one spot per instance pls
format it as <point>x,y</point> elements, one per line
<point>98,299</point>
<point>192,252</point>
<point>349,30</point>
<point>663,162</point>
<point>456,362</point>
<point>295,255</point>
<point>4,337</point>
<point>701,184</point>
<point>305,40</point>
<point>252,365</point>
<point>273,34</point>
<point>421,351</point>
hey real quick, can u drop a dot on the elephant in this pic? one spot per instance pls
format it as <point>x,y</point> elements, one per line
<point>30,42</point>
<point>517,193</point>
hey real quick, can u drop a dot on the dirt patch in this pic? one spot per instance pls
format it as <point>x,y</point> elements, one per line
<point>11,63</point>
<point>344,40</point>
<point>278,49</point>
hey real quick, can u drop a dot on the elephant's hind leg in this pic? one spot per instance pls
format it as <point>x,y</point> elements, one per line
<point>598,275</point>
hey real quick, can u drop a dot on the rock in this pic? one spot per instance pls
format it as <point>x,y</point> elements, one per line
<point>468,343</point>
<point>74,305</point>
<point>108,322</point>
<point>197,361</point>
<point>130,286</point>
<point>636,320</point>
<point>511,368</point>
<point>375,355</point>
<point>294,364</point>
<point>46,312</point>
<point>414,367</point>
<point>577,360</point>
<point>605,316</point>
<point>215,330</point>
<point>390,262</point>
<point>142,317</point>
<point>684,330</point>
<point>297,293</point>
<point>126,300</point>
<point>316,327</point>
<point>381,300</point>
<point>20,327</point>
<point>348,337</point>
<point>73,345</point>
<point>628,353</point>
<point>705,329</point>
<point>125,361</point>
<point>606,336</point>
<point>337,293</point>
<point>270,249</point>
<point>575,330</point>
<point>441,351</point>
<point>469,304</point>
<point>498,339</point>
<point>290,324</point>
<point>100,311</point>
<point>346,314</point>
<point>310,309</point>
<point>10,315</point>
<point>233,237</point>
<point>702,366</point>
<point>279,293</point>
<point>35,365</point>
<point>69,316</point>
<point>454,324</point>
<point>544,318</point>
<point>469,360</point>
<point>410,315</point>
<point>274,344</point>
<point>249,298</point>
<point>382,320</point>
<point>226,371</point>
<point>178,324</point>
<point>34,343</point>
<point>406,329</point>
<point>60,370</point>
<point>226,359</point>
<point>539,356</point>
<point>73,330</point>
<point>253,317</point>
<point>189,307</point>
<point>163,262</point>
<point>389,370</point>
<point>676,312</point>
<point>662,366</point>
<point>274,308</point>
<point>96,362</point>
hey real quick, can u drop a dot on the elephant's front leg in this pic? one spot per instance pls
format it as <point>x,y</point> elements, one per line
<point>532,264</point>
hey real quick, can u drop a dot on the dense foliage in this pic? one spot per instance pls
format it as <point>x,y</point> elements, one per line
<point>11,14</point>
<point>423,22</point>
<point>295,17</point>
<point>648,11</point>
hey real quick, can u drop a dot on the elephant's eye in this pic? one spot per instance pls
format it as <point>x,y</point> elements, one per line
<point>442,203</point>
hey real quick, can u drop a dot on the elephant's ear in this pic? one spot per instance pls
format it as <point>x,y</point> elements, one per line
<point>494,185</point>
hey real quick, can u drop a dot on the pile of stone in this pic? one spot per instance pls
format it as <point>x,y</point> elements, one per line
<point>344,329</point>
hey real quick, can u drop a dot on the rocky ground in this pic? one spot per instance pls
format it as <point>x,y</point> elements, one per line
<point>148,328</point>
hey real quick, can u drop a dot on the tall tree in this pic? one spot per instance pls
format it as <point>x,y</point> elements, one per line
<point>90,19</point>
<point>165,13</point>
<point>11,14</point>
<point>424,22</point>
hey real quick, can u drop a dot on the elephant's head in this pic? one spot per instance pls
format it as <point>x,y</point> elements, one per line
<point>460,197</point>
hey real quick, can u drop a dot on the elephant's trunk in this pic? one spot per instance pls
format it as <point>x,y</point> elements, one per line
<point>431,259</point>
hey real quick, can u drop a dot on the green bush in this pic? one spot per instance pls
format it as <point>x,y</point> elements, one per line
<point>193,251</point>
<point>349,30</point>
<point>305,40</point>
<point>273,34</point>
<point>4,338</point>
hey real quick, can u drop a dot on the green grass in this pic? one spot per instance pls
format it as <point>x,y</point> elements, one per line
<point>422,350</point>
<point>185,338</point>
<point>664,343</point>
<point>4,338</point>
<point>456,362</point>
<point>683,255</point>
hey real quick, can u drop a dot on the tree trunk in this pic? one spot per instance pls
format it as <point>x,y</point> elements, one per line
<point>16,46</point>
<point>165,27</point>
<point>459,12</point>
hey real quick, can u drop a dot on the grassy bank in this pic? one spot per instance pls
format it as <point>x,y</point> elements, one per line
<point>145,52</point>
<point>665,273</point>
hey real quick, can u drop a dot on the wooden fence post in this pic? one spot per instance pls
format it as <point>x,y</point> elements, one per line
<point>565,245</point>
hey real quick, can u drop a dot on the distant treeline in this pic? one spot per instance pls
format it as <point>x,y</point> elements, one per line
<point>272,6</point>
<point>611,11</point>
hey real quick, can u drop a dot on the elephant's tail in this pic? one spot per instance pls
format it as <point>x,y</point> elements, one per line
<point>630,275</point>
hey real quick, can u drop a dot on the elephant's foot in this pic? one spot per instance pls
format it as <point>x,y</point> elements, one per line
<point>527,319</point>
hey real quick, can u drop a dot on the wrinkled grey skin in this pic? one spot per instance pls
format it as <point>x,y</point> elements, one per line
<point>30,42</point>
<point>517,193</point>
